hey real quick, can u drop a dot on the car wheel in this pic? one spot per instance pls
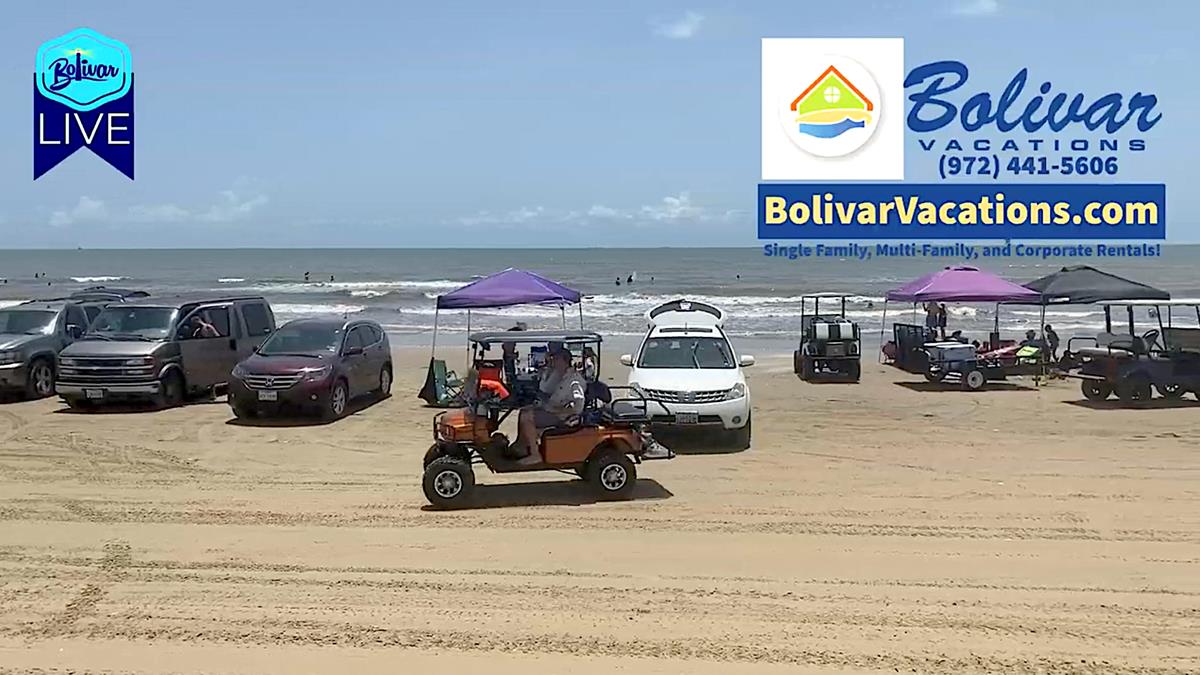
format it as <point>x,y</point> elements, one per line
<point>170,391</point>
<point>39,383</point>
<point>612,475</point>
<point>741,437</point>
<point>973,380</point>
<point>339,400</point>
<point>448,482</point>
<point>1094,390</point>
<point>385,382</point>
<point>1173,391</point>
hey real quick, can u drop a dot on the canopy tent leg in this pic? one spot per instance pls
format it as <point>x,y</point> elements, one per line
<point>433,347</point>
<point>882,327</point>
<point>1045,369</point>
<point>581,315</point>
<point>563,311</point>
<point>468,337</point>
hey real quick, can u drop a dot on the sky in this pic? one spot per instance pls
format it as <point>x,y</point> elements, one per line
<point>564,124</point>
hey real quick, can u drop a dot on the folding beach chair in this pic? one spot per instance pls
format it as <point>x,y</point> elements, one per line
<point>442,388</point>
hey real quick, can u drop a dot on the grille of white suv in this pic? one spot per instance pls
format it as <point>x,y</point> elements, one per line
<point>670,396</point>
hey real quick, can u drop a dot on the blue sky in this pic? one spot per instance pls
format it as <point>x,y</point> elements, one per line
<point>514,124</point>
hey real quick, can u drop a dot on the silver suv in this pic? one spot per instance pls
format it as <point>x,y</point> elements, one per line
<point>161,351</point>
<point>31,335</point>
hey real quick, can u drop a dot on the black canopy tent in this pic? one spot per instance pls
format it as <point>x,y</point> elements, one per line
<point>1083,284</point>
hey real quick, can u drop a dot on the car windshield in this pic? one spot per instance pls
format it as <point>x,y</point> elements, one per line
<point>152,323</point>
<point>686,352</point>
<point>27,321</point>
<point>303,338</point>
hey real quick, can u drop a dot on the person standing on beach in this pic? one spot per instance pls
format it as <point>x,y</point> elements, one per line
<point>931,317</point>
<point>1052,341</point>
<point>942,320</point>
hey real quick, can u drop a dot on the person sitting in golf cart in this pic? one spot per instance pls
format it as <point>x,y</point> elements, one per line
<point>562,389</point>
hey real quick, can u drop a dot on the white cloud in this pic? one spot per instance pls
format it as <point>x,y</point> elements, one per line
<point>87,210</point>
<point>672,208</point>
<point>231,207</point>
<point>976,7</point>
<point>158,213</point>
<point>682,28</point>
<point>678,207</point>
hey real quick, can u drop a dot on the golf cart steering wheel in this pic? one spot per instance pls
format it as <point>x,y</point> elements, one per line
<point>1150,339</point>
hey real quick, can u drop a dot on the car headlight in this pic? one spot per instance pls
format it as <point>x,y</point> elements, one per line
<point>239,372</point>
<point>316,374</point>
<point>738,391</point>
<point>140,361</point>
<point>10,357</point>
<point>67,362</point>
<point>853,348</point>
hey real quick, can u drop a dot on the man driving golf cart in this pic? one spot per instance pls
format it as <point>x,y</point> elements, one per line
<point>565,423</point>
<point>562,396</point>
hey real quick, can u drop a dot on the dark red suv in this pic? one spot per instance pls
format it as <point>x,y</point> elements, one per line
<point>315,366</point>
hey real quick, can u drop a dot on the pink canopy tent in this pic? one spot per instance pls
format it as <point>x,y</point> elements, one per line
<point>962,283</point>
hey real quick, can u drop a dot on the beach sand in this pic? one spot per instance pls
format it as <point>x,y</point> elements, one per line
<point>878,527</point>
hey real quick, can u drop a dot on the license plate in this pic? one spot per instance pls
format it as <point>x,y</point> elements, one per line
<point>268,396</point>
<point>686,418</point>
<point>93,393</point>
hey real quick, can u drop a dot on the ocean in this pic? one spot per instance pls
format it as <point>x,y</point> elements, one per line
<point>397,287</point>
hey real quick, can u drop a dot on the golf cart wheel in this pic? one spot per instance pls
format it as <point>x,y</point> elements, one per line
<point>448,482</point>
<point>435,451</point>
<point>854,371</point>
<point>741,437</point>
<point>1095,390</point>
<point>973,380</point>
<point>807,369</point>
<point>1172,391</point>
<point>612,475</point>
<point>40,381</point>
<point>1133,389</point>
<point>797,362</point>
<point>935,377</point>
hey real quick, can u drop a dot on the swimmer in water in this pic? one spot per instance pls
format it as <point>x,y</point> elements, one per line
<point>618,281</point>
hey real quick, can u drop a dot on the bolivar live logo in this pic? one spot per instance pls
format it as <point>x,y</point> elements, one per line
<point>83,97</point>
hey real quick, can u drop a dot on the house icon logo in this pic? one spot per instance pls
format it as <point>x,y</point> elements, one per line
<point>832,109</point>
<point>836,112</point>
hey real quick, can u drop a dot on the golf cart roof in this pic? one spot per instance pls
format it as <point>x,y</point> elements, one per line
<point>536,337</point>
<point>683,312</point>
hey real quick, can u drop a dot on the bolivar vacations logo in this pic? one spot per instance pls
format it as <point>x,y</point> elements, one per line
<point>833,108</point>
<point>837,113</point>
<point>83,97</point>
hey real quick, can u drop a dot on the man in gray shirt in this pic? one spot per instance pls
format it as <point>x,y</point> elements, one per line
<point>562,396</point>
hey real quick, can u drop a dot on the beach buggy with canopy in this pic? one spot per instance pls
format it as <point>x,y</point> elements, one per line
<point>602,445</point>
<point>509,288</point>
<point>1166,359</point>
<point>830,347</point>
<point>918,350</point>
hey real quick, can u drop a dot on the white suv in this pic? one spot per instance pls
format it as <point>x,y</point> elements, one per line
<point>687,363</point>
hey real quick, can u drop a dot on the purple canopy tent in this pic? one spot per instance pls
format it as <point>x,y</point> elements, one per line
<point>961,284</point>
<point>507,289</point>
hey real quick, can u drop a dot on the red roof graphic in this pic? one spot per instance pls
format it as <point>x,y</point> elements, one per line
<point>848,83</point>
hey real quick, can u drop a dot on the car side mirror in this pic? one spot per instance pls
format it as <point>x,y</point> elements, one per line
<point>627,359</point>
<point>74,331</point>
<point>354,351</point>
<point>746,361</point>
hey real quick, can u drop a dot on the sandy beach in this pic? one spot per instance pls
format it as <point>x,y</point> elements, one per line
<point>880,527</point>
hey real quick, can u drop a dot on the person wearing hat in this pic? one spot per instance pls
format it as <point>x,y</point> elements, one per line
<point>563,396</point>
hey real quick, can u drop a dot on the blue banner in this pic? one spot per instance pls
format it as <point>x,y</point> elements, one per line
<point>961,211</point>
